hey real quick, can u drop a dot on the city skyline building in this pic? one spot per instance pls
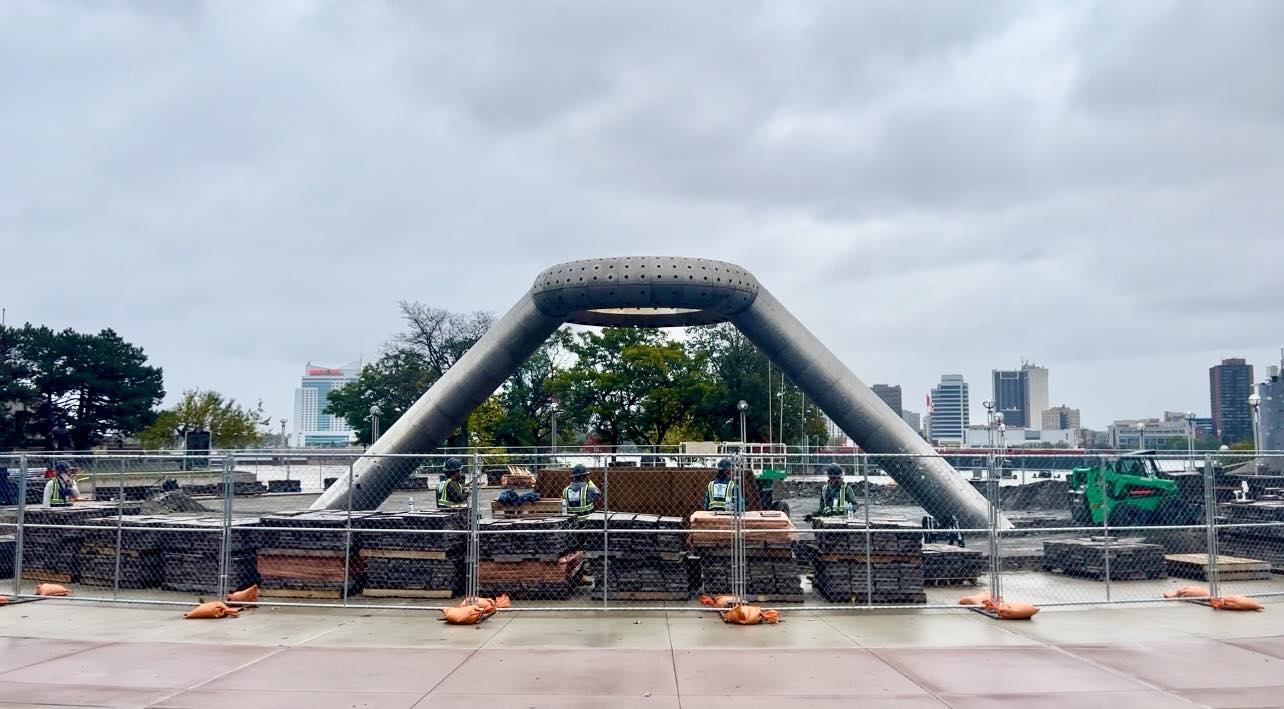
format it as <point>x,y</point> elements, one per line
<point>891,395</point>
<point>1125,434</point>
<point>913,419</point>
<point>1021,395</point>
<point>1270,414</point>
<point>312,426</point>
<point>1061,418</point>
<point>948,405</point>
<point>1229,386</point>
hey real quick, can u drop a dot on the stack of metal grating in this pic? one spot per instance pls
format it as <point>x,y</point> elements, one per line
<point>771,572</point>
<point>307,555</point>
<point>1130,559</point>
<point>412,554</point>
<point>141,552</point>
<point>949,565</point>
<point>648,559</point>
<point>192,545</point>
<point>1264,539</point>
<point>52,553</point>
<point>884,566</point>
<point>528,558</point>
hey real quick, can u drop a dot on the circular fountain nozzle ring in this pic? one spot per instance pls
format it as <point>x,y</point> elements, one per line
<point>644,291</point>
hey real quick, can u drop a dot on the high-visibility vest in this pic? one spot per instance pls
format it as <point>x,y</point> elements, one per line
<point>577,500</point>
<point>443,500</point>
<point>58,496</point>
<point>721,494</point>
<point>837,503</point>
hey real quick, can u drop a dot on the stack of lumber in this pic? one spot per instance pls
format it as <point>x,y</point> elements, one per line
<point>411,554</point>
<point>643,559</point>
<point>882,563</point>
<point>528,558</point>
<point>948,565</point>
<point>518,477</point>
<point>192,546</point>
<point>546,507</point>
<point>306,555</point>
<point>771,571</point>
<point>1130,559</point>
<point>1229,568</point>
<point>53,553</point>
<point>1264,541</point>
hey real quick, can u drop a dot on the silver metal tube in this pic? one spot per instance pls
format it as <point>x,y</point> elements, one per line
<point>17,537</point>
<point>120,524</point>
<point>1210,523</point>
<point>932,482</point>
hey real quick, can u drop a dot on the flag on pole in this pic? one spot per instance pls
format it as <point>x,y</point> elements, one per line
<point>929,403</point>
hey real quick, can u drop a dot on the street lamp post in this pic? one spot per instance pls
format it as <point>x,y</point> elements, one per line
<point>552,427</point>
<point>743,408</point>
<point>1190,437</point>
<point>989,422</point>
<point>1141,435</point>
<point>1255,402</point>
<point>375,413</point>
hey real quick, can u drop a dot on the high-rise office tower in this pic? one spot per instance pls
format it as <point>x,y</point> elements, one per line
<point>1229,386</point>
<point>948,407</point>
<point>1021,395</point>
<point>890,394</point>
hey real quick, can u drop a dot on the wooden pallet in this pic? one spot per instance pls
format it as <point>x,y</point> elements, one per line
<point>46,576</point>
<point>404,554</point>
<point>539,508</point>
<point>407,593</point>
<point>326,594</point>
<point>1229,568</point>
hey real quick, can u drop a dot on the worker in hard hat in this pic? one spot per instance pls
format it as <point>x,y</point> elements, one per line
<point>451,493</point>
<point>836,497</point>
<point>580,497</point>
<point>723,493</point>
<point>61,489</point>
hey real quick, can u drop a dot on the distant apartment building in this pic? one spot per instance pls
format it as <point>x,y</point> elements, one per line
<point>949,409</point>
<point>890,394</point>
<point>984,437</point>
<point>312,426</point>
<point>913,419</point>
<point>1021,395</point>
<point>1271,412</point>
<point>1061,418</point>
<point>1127,435</point>
<point>1229,386</point>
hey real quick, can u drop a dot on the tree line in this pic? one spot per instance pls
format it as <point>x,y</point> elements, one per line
<point>609,386</point>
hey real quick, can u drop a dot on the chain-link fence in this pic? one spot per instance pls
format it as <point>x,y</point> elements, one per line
<point>598,529</point>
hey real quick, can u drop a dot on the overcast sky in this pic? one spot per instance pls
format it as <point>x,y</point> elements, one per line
<point>947,187</point>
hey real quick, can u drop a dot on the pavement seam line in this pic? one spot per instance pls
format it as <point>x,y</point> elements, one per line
<point>471,655</point>
<point>1170,692</point>
<point>221,675</point>
<point>58,657</point>
<point>673,660</point>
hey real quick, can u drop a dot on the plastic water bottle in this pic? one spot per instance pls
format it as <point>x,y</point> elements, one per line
<point>410,504</point>
<point>851,512</point>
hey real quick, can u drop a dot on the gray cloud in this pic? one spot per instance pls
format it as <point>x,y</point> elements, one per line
<point>934,188</point>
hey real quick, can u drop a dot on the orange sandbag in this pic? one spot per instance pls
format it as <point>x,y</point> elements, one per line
<point>976,599</point>
<point>719,601</point>
<point>1012,611</point>
<point>52,589</point>
<point>4,600</point>
<point>489,605</point>
<point>1187,592</point>
<point>213,609</point>
<point>750,615</point>
<point>468,615</point>
<point>1236,603</point>
<point>503,601</point>
<point>249,595</point>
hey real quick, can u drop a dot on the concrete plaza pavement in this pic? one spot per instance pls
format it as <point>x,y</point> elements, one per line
<point>60,653</point>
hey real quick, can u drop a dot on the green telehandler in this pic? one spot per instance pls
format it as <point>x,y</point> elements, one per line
<point>1128,491</point>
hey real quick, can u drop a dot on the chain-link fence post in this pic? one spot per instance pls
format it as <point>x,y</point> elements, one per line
<point>120,525</point>
<point>996,562</point>
<point>23,484</point>
<point>226,487</point>
<point>738,584</point>
<point>863,461</point>
<point>347,540</point>
<point>474,530</point>
<point>1210,527</point>
<point>606,537</point>
<point>1106,509</point>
